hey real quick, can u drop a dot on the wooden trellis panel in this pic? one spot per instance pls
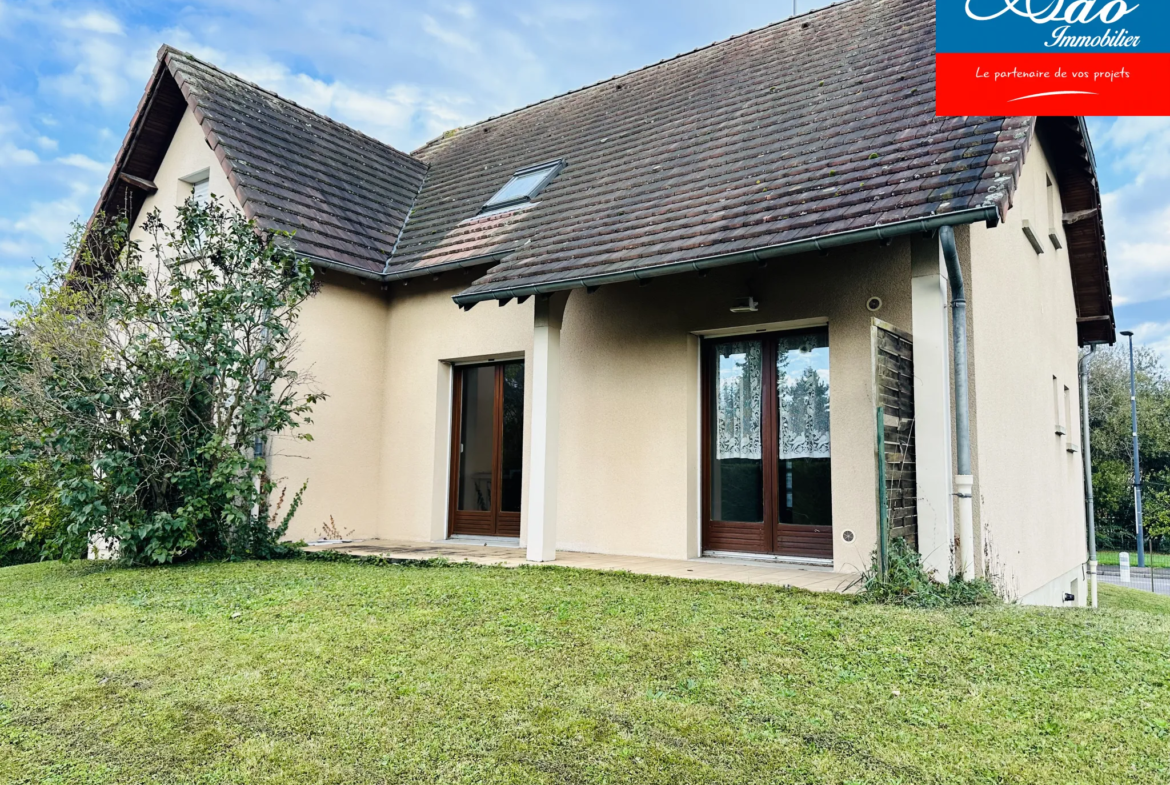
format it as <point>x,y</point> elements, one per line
<point>893,364</point>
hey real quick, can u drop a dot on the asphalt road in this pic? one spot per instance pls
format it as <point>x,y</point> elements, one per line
<point>1138,578</point>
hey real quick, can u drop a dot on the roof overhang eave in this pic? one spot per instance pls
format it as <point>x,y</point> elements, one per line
<point>989,213</point>
<point>458,264</point>
<point>417,272</point>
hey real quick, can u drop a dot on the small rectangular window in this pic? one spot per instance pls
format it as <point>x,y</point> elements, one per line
<point>197,186</point>
<point>201,192</point>
<point>525,184</point>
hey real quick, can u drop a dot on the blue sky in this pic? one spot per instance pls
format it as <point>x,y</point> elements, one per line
<point>71,74</point>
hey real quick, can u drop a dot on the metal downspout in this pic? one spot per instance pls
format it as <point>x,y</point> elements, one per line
<point>1087,457</point>
<point>964,481</point>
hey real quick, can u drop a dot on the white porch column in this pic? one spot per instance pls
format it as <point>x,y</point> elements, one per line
<point>932,406</point>
<point>542,479</point>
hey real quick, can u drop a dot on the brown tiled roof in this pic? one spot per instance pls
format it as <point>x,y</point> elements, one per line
<point>814,126</point>
<point>344,194</point>
<point>814,131</point>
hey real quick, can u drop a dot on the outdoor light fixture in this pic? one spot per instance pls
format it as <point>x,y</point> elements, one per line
<point>745,305</point>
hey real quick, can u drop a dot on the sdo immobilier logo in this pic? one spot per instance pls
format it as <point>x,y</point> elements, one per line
<point>1053,57</point>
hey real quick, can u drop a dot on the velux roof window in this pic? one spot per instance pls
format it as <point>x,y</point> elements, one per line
<point>525,184</point>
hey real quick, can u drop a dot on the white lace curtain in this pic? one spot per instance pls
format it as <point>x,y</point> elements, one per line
<point>803,405</point>
<point>740,393</point>
<point>804,400</point>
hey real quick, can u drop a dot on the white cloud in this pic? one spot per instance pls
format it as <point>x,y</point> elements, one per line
<point>1137,214</point>
<point>99,74</point>
<point>84,162</point>
<point>45,224</point>
<point>13,286</point>
<point>1156,335</point>
<point>88,57</point>
<point>94,22</point>
<point>464,10</point>
<point>447,36</point>
<point>11,153</point>
<point>396,113</point>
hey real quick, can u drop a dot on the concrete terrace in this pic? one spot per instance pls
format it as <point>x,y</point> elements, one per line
<point>480,551</point>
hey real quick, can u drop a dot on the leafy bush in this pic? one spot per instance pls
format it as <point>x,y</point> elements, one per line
<point>147,386</point>
<point>907,583</point>
<point>34,531</point>
<point>28,532</point>
<point>1112,445</point>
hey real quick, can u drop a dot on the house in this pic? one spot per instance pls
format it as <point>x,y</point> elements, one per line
<point>673,313</point>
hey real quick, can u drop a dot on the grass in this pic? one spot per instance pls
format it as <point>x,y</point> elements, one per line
<point>1123,599</point>
<point>332,672</point>
<point>1152,559</point>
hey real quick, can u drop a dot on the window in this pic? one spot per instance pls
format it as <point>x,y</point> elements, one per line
<point>767,452</point>
<point>1072,427</point>
<point>488,449</point>
<point>197,186</point>
<point>201,192</point>
<point>524,186</point>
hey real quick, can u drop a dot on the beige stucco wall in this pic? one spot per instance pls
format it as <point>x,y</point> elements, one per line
<point>426,334</point>
<point>629,431</point>
<point>188,154</point>
<point>1029,487</point>
<point>342,348</point>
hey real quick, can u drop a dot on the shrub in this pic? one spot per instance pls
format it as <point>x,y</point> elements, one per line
<point>907,583</point>
<point>1112,444</point>
<point>147,387</point>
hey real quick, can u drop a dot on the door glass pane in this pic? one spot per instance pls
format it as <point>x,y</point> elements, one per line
<point>802,386</point>
<point>513,438</point>
<point>737,470</point>
<point>477,427</point>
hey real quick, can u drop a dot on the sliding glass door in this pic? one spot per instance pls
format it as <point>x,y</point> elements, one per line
<point>766,448</point>
<point>487,450</point>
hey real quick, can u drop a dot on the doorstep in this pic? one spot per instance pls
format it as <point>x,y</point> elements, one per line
<point>716,568</point>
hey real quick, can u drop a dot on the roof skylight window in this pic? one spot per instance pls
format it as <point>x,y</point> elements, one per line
<point>525,184</point>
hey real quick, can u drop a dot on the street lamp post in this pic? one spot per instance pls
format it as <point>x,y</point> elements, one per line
<point>1137,467</point>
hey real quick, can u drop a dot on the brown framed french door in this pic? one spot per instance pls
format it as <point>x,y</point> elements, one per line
<point>487,449</point>
<point>766,453</point>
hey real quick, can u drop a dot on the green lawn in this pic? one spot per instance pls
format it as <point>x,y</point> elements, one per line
<point>327,672</point>
<point>1120,598</point>
<point>1154,559</point>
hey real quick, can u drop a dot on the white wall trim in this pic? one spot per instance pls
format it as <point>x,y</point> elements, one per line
<point>440,524</point>
<point>694,531</point>
<point>498,357</point>
<point>197,177</point>
<point>766,327</point>
<point>448,457</point>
